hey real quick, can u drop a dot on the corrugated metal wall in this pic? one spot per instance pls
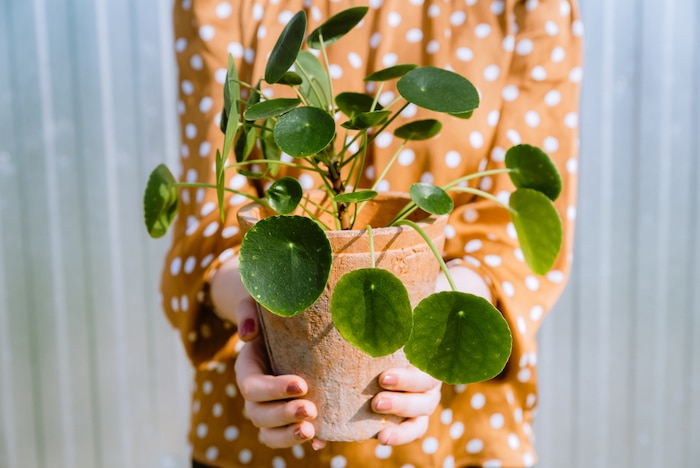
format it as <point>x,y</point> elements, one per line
<point>92,376</point>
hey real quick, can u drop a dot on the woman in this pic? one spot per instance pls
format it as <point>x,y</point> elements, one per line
<point>524,56</point>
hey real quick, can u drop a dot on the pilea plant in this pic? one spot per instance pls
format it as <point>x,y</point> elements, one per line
<point>285,259</point>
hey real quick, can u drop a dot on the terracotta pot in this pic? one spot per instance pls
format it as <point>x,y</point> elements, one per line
<point>342,380</point>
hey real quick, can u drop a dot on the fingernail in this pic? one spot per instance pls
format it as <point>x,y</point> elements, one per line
<point>299,434</point>
<point>389,381</point>
<point>387,438</point>
<point>383,404</point>
<point>294,389</point>
<point>247,327</point>
<point>301,412</point>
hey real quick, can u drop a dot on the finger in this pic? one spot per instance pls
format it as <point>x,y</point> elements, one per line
<point>247,317</point>
<point>282,413</point>
<point>254,382</point>
<point>408,431</point>
<point>288,436</point>
<point>407,405</point>
<point>407,379</point>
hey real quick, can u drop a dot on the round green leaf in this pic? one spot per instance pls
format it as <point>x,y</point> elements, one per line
<point>418,130</point>
<point>352,104</point>
<point>316,83</point>
<point>336,27</point>
<point>372,311</point>
<point>397,71</point>
<point>270,108</point>
<point>538,226</point>
<point>458,338</point>
<point>431,198</point>
<point>366,120</point>
<point>438,90</point>
<point>304,131</point>
<point>284,263</point>
<point>286,48</point>
<point>534,170</point>
<point>463,115</point>
<point>160,201</point>
<point>284,195</point>
<point>355,197</point>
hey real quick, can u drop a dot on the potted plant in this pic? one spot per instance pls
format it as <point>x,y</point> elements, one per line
<point>336,262</point>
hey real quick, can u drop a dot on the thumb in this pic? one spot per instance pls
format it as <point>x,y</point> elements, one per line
<point>247,319</point>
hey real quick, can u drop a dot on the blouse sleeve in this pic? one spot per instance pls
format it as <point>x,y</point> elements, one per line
<point>539,105</point>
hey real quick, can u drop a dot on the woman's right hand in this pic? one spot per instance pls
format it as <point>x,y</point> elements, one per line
<point>272,403</point>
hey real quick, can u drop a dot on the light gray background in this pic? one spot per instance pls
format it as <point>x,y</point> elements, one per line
<point>92,376</point>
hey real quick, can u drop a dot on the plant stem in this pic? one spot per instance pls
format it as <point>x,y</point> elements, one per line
<point>279,163</point>
<point>477,175</point>
<point>371,245</point>
<point>389,164</point>
<point>434,249</point>
<point>483,194</point>
<point>226,189</point>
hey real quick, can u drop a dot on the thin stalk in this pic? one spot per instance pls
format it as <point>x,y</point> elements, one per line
<point>434,249</point>
<point>371,245</point>
<point>389,164</point>
<point>311,82</point>
<point>476,175</point>
<point>270,161</point>
<point>483,194</point>
<point>328,67</point>
<point>226,189</point>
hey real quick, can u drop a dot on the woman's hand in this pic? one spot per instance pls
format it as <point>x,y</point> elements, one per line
<point>411,394</point>
<point>272,403</point>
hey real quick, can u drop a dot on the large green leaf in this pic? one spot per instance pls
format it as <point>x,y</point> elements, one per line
<point>316,83</point>
<point>418,130</point>
<point>291,79</point>
<point>351,103</point>
<point>372,311</point>
<point>539,228</point>
<point>438,90</point>
<point>284,263</point>
<point>336,27</point>
<point>458,338</point>
<point>397,71</point>
<point>304,131</point>
<point>533,169</point>
<point>286,48</point>
<point>160,201</point>
<point>232,87</point>
<point>284,195</point>
<point>270,108</point>
<point>431,198</point>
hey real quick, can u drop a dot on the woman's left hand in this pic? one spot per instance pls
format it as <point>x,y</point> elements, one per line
<point>411,394</point>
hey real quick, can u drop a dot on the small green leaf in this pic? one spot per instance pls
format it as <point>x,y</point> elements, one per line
<point>304,131</point>
<point>397,71</point>
<point>355,197</point>
<point>290,79</point>
<point>284,195</point>
<point>431,198</point>
<point>220,180</point>
<point>538,226</point>
<point>336,27</point>
<point>418,130</point>
<point>534,170</point>
<point>284,263</point>
<point>269,148</point>
<point>438,90</point>
<point>160,201</point>
<point>286,48</point>
<point>316,83</point>
<point>233,115</point>
<point>352,104</point>
<point>371,309</point>
<point>245,143</point>
<point>366,120</point>
<point>270,108</point>
<point>458,338</point>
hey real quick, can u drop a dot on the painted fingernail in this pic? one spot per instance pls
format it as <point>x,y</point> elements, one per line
<point>247,327</point>
<point>299,434</point>
<point>294,389</point>
<point>301,412</point>
<point>389,380</point>
<point>383,404</point>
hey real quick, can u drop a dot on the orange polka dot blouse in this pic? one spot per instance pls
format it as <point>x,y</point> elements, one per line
<point>525,58</point>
